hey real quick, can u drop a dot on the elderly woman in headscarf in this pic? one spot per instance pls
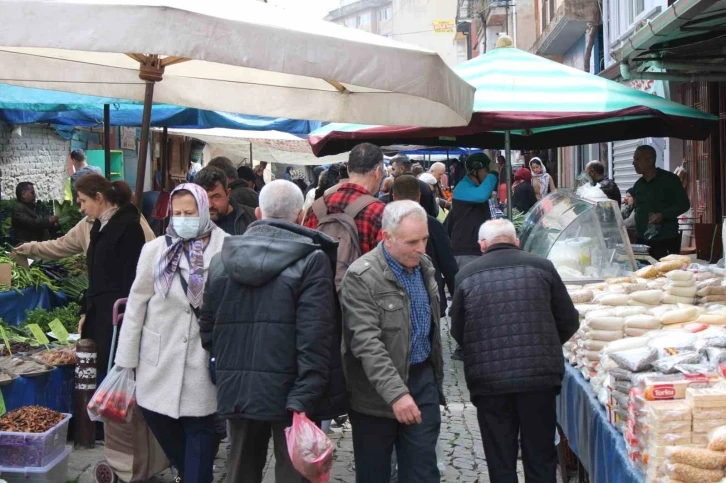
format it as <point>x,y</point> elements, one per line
<point>542,182</point>
<point>523,197</point>
<point>160,336</point>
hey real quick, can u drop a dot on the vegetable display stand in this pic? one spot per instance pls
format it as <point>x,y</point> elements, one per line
<point>54,390</point>
<point>22,450</point>
<point>54,472</point>
<point>13,304</point>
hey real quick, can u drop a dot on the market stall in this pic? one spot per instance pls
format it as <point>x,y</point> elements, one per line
<point>644,395</point>
<point>14,304</point>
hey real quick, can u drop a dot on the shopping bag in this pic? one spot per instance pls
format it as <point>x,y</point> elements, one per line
<point>311,451</point>
<point>114,398</point>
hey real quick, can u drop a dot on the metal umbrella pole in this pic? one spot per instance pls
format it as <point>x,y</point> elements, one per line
<point>508,171</point>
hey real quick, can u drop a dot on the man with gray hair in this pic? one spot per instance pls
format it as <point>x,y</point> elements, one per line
<point>511,314</point>
<point>392,351</point>
<point>269,319</point>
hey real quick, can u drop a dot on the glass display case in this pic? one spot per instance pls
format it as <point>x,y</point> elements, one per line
<point>584,239</point>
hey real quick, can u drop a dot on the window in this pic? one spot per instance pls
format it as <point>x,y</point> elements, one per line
<point>461,53</point>
<point>635,8</point>
<point>363,19</point>
<point>623,15</point>
<point>350,22</point>
<point>385,14</point>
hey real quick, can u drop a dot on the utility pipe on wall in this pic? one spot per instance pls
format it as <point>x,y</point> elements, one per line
<point>627,74</point>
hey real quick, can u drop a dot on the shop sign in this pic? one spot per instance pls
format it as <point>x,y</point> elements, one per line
<point>444,26</point>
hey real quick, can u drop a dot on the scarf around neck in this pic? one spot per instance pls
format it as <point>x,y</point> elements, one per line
<point>168,262</point>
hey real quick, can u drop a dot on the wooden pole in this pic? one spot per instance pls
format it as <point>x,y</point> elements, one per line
<point>107,139</point>
<point>164,167</point>
<point>86,371</point>
<point>144,143</point>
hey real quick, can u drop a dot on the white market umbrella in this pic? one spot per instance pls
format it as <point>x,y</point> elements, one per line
<point>271,146</point>
<point>236,56</point>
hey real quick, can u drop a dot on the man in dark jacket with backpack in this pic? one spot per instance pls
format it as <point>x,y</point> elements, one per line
<point>269,319</point>
<point>511,314</point>
<point>352,215</point>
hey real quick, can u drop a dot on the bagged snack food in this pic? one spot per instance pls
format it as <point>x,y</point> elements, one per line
<point>711,290</point>
<point>716,356</point>
<point>706,425</point>
<point>712,319</point>
<point>674,343</point>
<point>683,259</point>
<point>668,365</point>
<point>618,280</point>
<point>669,267</point>
<point>668,387</point>
<point>581,296</point>
<point>593,345</point>
<point>635,332</point>
<point>635,360</point>
<point>707,413</point>
<point>691,474</point>
<point>717,439</point>
<point>601,312</point>
<point>662,309</point>
<point>606,335</point>
<point>709,282</point>
<point>713,397</point>
<point>647,272</point>
<point>695,327</point>
<point>713,298</point>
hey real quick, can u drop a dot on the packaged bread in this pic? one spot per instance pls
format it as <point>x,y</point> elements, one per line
<point>667,410</point>
<point>647,272</point>
<point>699,440</point>
<point>613,299</point>
<point>625,344</point>
<point>634,332</point>
<point>581,296</point>
<point>606,323</point>
<point>707,413</point>
<point>679,316</point>
<point>674,299</point>
<point>648,322</point>
<point>628,311</point>
<point>706,425</point>
<point>650,297</point>
<point>712,397</point>
<point>679,275</point>
<point>605,335</point>
<point>688,292</point>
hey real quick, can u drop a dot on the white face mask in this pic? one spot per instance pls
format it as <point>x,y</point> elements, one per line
<point>186,227</point>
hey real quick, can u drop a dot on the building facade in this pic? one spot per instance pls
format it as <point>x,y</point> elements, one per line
<point>431,24</point>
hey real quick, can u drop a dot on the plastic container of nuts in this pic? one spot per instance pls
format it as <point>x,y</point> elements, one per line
<point>22,450</point>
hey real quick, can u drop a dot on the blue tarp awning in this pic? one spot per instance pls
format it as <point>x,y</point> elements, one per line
<point>21,105</point>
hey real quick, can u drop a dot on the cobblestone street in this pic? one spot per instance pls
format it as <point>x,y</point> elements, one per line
<point>460,438</point>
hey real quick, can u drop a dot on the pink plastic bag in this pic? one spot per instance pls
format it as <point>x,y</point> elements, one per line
<point>310,449</point>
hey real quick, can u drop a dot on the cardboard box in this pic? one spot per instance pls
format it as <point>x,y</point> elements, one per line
<point>6,274</point>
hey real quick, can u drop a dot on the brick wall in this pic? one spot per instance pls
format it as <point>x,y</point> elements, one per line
<point>39,156</point>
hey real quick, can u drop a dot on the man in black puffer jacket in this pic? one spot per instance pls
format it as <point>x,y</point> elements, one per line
<point>511,314</point>
<point>270,319</point>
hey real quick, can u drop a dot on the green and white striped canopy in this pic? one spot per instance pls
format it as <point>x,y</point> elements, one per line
<point>542,103</point>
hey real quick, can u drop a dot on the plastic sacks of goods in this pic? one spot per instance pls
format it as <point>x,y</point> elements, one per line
<point>708,406</point>
<point>599,329</point>
<point>680,288</point>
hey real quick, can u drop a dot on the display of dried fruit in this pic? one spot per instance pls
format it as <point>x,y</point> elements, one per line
<point>57,357</point>
<point>30,419</point>
<point>23,367</point>
<point>17,348</point>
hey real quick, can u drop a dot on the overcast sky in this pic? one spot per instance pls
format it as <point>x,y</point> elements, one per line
<point>311,8</point>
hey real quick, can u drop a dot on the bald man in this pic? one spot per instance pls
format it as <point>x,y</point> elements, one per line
<point>596,171</point>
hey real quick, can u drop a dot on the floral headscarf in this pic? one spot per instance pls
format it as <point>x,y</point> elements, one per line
<point>168,263</point>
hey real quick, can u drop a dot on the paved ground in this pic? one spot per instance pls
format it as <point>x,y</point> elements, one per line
<point>460,439</point>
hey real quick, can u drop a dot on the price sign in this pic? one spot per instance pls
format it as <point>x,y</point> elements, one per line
<point>6,341</point>
<point>2,404</point>
<point>38,334</point>
<point>59,332</point>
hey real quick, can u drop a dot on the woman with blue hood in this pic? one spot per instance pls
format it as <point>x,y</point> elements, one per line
<point>160,336</point>
<point>470,208</point>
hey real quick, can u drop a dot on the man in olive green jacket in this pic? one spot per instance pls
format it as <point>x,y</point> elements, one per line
<point>392,351</point>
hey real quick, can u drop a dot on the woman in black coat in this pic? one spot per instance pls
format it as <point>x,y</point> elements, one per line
<point>116,242</point>
<point>524,197</point>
